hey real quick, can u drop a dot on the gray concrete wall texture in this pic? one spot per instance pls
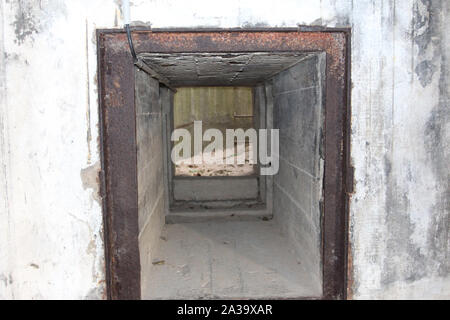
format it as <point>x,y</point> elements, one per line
<point>49,133</point>
<point>151,199</point>
<point>297,186</point>
<point>211,188</point>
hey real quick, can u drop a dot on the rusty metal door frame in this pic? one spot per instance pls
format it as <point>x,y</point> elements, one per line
<point>118,138</point>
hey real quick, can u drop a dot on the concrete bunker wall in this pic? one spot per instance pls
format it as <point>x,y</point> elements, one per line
<point>150,167</point>
<point>399,212</point>
<point>297,95</point>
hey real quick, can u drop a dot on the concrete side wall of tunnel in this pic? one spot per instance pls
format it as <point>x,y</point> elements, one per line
<point>297,94</point>
<point>151,190</point>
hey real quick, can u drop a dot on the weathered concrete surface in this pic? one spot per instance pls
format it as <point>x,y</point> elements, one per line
<point>400,133</point>
<point>212,188</point>
<point>236,212</point>
<point>212,69</point>
<point>51,242</point>
<point>400,137</point>
<point>298,114</point>
<point>227,260</point>
<point>150,168</point>
<point>166,100</point>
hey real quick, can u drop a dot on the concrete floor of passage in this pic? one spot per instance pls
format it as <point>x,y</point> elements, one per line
<point>226,260</point>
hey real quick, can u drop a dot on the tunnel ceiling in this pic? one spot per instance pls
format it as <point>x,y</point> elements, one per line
<point>221,69</point>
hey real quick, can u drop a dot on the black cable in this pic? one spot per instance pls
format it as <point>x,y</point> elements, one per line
<point>141,64</point>
<point>130,43</point>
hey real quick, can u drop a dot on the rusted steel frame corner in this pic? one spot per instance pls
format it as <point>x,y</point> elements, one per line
<point>107,241</point>
<point>334,223</point>
<point>118,157</point>
<point>349,172</point>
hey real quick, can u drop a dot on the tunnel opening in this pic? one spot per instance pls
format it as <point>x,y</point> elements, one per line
<point>218,108</point>
<point>242,234</point>
<point>190,261</point>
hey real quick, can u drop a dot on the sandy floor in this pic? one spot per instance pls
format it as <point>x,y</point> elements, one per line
<point>207,169</point>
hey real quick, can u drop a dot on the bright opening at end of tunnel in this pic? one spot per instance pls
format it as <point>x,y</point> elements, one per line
<point>214,134</point>
<point>240,151</point>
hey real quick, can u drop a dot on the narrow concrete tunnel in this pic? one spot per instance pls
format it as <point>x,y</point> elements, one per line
<point>247,236</point>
